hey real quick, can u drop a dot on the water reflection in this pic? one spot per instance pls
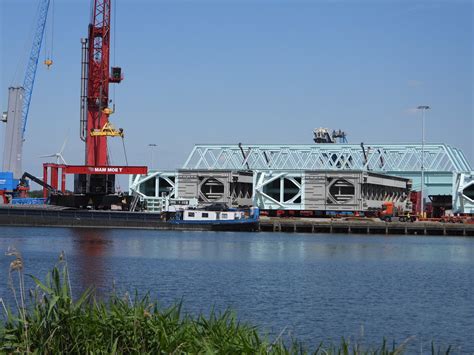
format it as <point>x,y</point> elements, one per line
<point>317,285</point>
<point>90,248</point>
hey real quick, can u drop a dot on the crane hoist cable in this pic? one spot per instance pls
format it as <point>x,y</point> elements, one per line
<point>108,130</point>
<point>109,157</point>
<point>49,39</point>
<point>114,34</point>
<point>25,51</point>
<point>110,161</point>
<point>124,151</point>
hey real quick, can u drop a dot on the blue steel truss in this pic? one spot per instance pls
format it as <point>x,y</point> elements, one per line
<point>30,73</point>
<point>386,158</point>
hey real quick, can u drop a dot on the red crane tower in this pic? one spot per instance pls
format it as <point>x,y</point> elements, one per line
<point>95,127</point>
<point>94,183</point>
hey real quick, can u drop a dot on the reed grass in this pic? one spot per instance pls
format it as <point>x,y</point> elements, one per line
<point>52,322</point>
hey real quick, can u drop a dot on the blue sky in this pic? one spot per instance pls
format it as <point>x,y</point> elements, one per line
<point>253,72</point>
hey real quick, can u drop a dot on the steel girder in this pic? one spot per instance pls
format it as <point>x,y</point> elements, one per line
<point>385,158</point>
<point>463,192</point>
<point>443,166</point>
<point>156,202</point>
<point>292,189</point>
<point>261,179</point>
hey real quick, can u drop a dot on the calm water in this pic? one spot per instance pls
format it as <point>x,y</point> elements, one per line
<point>317,286</point>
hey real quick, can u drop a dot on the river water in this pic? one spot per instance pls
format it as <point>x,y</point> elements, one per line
<point>313,287</point>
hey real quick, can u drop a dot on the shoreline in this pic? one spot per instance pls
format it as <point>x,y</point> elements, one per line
<point>45,217</point>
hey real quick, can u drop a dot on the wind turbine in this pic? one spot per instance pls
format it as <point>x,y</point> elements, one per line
<point>59,156</point>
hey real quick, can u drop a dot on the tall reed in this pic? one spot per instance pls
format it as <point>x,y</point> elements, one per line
<point>53,322</point>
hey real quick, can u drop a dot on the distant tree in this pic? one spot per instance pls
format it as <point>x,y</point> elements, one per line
<point>35,193</point>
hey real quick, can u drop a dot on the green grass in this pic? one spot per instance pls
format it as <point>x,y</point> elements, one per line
<point>53,322</point>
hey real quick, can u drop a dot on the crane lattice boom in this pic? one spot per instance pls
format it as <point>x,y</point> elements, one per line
<point>98,79</point>
<point>30,74</point>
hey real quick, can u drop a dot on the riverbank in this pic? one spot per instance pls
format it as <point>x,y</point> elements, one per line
<point>319,287</point>
<point>54,322</point>
<point>57,217</point>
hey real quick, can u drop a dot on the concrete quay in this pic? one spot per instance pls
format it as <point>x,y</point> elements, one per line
<point>359,226</point>
<point>52,216</point>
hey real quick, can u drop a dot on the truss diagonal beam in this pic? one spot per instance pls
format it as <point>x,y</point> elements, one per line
<point>380,157</point>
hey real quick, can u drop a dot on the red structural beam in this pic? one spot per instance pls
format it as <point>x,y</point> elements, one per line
<point>88,169</point>
<point>108,170</point>
<point>84,169</point>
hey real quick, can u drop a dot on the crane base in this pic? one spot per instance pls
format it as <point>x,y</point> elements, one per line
<point>95,202</point>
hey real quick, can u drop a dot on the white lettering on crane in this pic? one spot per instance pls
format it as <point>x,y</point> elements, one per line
<point>108,170</point>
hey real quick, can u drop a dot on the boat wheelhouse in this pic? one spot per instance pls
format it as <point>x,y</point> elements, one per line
<point>229,219</point>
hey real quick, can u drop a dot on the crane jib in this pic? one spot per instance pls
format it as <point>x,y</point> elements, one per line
<point>32,65</point>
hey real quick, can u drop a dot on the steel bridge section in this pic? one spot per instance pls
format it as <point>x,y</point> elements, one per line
<point>310,190</point>
<point>262,179</point>
<point>383,158</point>
<point>441,161</point>
<point>152,187</point>
<point>463,192</point>
<point>446,169</point>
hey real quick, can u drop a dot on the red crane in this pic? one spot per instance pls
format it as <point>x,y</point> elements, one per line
<point>94,182</point>
<point>95,121</point>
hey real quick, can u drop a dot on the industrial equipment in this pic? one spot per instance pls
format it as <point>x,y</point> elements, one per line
<point>447,171</point>
<point>321,135</point>
<point>96,77</point>
<point>94,183</point>
<point>390,212</point>
<point>40,182</point>
<point>16,117</point>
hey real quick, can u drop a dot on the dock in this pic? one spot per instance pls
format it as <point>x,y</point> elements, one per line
<point>54,216</point>
<point>371,226</point>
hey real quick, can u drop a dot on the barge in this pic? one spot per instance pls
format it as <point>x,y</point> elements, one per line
<point>224,219</point>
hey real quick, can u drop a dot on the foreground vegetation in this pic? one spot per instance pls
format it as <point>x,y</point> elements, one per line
<point>52,322</point>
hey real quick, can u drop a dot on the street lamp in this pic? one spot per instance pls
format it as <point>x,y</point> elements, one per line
<point>422,197</point>
<point>152,146</point>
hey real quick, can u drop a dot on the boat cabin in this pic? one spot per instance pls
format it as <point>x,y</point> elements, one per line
<point>202,215</point>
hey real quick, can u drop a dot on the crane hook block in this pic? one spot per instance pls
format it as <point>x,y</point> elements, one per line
<point>108,111</point>
<point>107,130</point>
<point>48,62</point>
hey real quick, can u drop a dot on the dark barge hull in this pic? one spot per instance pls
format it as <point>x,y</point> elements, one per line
<point>55,216</point>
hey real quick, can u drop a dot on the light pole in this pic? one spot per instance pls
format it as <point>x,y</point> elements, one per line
<point>152,146</point>
<point>422,197</point>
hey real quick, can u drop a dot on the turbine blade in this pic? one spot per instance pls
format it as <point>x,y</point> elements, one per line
<point>62,158</point>
<point>63,146</point>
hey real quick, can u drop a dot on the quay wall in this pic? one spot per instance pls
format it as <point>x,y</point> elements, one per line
<point>134,220</point>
